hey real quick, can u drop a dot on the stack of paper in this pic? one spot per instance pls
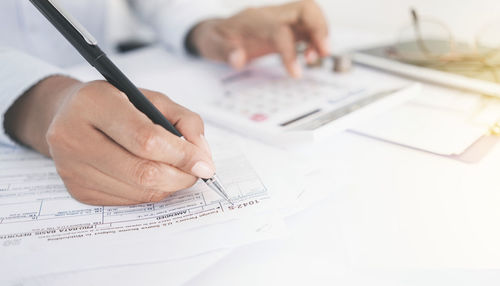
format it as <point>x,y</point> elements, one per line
<point>43,231</point>
<point>46,231</point>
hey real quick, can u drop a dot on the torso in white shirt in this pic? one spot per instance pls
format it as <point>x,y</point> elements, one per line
<point>23,28</point>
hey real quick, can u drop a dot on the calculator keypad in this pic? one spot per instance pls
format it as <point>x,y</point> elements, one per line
<point>268,99</point>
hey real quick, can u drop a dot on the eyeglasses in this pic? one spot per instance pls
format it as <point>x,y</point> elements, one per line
<point>430,43</point>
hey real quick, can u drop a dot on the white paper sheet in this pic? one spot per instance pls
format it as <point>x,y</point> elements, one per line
<point>439,120</point>
<point>41,226</point>
<point>172,273</point>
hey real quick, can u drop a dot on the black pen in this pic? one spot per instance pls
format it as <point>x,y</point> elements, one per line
<point>86,45</point>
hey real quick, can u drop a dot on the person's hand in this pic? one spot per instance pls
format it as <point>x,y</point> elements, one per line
<point>105,150</point>
<point>256,32</point>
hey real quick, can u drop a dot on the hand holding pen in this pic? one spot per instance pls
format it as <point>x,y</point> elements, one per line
<point>110,144</point>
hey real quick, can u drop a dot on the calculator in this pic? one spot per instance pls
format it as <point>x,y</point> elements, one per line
<point>280,110</point>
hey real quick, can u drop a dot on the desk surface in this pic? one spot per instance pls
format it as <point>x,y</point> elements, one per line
<point>401,211</point>
<point>392,213</point>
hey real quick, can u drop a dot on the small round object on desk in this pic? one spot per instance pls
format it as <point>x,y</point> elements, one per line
<point>315,64</point>
<point>342,63</point>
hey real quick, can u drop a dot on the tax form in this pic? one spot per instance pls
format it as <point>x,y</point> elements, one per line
<point>39,221</point>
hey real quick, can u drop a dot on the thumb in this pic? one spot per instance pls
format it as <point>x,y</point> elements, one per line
<point>218,43</point>
<point>230,51</point>
<point>237,58</point>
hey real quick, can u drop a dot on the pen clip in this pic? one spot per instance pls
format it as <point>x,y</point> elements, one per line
<point>78,27</point>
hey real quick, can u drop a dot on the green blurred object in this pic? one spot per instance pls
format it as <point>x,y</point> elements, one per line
<point>429,43</point>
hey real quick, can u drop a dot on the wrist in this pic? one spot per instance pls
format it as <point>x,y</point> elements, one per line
<point>28,119</point>
<point>189,42</point>
<point>195,38</point>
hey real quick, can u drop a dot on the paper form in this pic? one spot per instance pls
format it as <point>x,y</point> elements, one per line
<point>439,120</point>
<point>34,203</point>
<point>39,220</point>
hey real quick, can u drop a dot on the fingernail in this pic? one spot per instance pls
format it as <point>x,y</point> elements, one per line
<point>311,57</point>
<point>237,58</point>
<point>326,46</point>
<point>296,70</point>
<point>202,170</point>
<point>204,145</point>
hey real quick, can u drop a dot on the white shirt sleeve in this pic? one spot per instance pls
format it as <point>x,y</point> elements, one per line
<point>18,73</point>
<point>173,19</point>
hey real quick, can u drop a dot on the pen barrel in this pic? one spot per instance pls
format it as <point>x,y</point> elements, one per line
<point>68,30</point>
<point>114,76</point>
<point>87,47</point>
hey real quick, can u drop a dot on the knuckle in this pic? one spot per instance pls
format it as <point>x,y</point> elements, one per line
<point>177,148</point>
<point>157,98</point>
<point>146,173</point>
<point>146,139</point>
<point>53,134</point>
<point>92,93</point>
<point>65,173</point>
<point>121,99</point>
<point>185,155</point>
<point>81,195</point>
<point>89,92</point>
<point>249,12</point>
<point>196,118</point>
<point>61,138</point>
<point>56,135</point>
<point>306,4</point>
<point>153,97</point>
<point>152,196</point>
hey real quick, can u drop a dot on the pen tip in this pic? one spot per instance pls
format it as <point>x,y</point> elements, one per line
<point>215,184</point>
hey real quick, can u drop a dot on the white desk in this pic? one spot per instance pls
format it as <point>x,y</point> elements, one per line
<point>394,216</point>
<point>402,212</point>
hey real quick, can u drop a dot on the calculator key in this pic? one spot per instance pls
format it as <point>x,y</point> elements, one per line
<point>245,111</point>
<point>258,117</point>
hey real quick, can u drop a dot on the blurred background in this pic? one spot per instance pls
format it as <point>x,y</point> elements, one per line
<point>379,17</point>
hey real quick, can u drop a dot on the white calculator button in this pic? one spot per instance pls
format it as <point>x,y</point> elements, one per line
<point>245,111</point>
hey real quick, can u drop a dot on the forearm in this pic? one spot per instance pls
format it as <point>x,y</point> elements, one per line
<point>28,119</point>
<point>173,19</point>
<point>255,32</point>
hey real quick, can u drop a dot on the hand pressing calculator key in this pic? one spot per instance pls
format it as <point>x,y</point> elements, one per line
<point>284,111</point>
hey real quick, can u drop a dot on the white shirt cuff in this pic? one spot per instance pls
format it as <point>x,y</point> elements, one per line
<point>18,73</point>
<point>172,20</point>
